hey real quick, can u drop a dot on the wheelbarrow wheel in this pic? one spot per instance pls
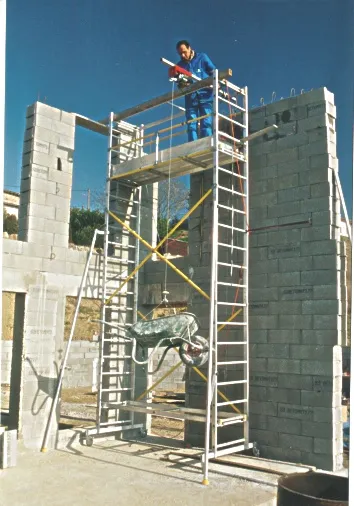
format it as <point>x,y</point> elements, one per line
<point>194,356</point>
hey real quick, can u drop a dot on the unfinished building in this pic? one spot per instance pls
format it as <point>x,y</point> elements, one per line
<point>264,275</point>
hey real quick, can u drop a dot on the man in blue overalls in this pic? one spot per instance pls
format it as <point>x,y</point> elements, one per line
<point>199,103</point>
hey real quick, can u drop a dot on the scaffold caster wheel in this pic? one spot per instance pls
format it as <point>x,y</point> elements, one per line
<point>255,450</point>
<point>89,441</point>
<point>143,433</point>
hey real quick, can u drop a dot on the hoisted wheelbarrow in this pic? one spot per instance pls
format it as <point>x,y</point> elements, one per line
<point>171,331</point>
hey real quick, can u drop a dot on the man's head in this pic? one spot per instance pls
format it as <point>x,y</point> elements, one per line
<point>184,50</point>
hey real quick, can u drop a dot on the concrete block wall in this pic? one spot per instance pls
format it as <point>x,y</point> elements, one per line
<point>80,364</point>
<point>296,301</point>
<point>47,163</point>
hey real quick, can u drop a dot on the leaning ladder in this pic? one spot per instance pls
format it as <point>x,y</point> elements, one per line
<point>116,378</point>
<point>228,369</point>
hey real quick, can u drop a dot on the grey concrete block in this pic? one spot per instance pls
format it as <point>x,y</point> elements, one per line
<point>42,134</point>
<point>281,105</point>
<point>263,294</point>
<point>68,118</point>
<point>60,177</point>
<point>35,184</point>
<point>284,251</point>
<point>327,415</point>
<point>323,446</point>
<point>284,237</point>
<point>44,238</point>
<point>292,167</point>
<point>282,182</point>
<point>324,262</point>
<point>318,399</point>
<point>282,454</point>
<point>295,381</point>
<point>311,352</point>
<point>258,365</point>
<point>266,437</point>
<point>269,266</point>
<point>294,411</point>
<point>263,322</point>
<point>33,197</point>
<point>295,322</point>
<point>316,367</point>
<point>37,250</point>
<point>57,266</point>
<point>320,190</point>
<point>312,123</point>
<point>259,254</point>
<point>321,430</point>
<point>258,308</point>
<point>320,307</point>
<point>63,190</point>
<point>63,128</point>
<point>325,247</point>
<point>323,162</point>
<point>314,205</point>
<point>265,172</point>
<point>327,384</point>
<point>283,366</point>
<point>270,350</point>
<point>318,277</point>
<point>286,395</point>
<point>56,227</point>
<point>39,120</point>
<point>285,307</point>
<point>43,159</point>
<point>297,264</point>
<point>57,201</point>
<point>258,280</point>
<point>258,422</point>
<point>315,233</point>
<point>266,199</point>
<point>263,408</point>
<point>286,209</point>
<point>34,171</point>
<point>294,194</point>
<point>284,336</point>
<point>264,379</point>
<point>46,110</point>
<point>326,322</point>
<point>284,279</point>
<point>292,140</point>
<point>283,156</point>
<point>314,148</point>
<point>321,108</point>
<point>13,247</point>
<point>303,443</point>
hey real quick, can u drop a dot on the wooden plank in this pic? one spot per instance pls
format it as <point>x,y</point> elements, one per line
<point>167,97</point>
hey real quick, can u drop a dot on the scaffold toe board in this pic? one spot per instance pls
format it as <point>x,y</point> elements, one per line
<point>188,158</point>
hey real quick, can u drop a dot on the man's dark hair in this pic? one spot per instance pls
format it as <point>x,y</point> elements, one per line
<point>183,43</point>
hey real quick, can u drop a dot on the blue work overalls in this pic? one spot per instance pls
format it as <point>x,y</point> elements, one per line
<point>199,103</point>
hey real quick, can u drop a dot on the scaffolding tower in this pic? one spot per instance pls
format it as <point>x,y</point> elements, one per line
<point>131,170</point>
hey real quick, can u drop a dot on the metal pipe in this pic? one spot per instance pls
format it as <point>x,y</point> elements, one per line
<point>212,318</point>
<point>63,364</point>
<point>2,122</point>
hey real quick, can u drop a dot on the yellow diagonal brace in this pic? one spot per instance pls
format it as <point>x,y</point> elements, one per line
<point>172,231</point>
<point>170,264</point>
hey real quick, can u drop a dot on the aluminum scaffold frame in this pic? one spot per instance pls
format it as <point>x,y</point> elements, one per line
<point>128,170</point>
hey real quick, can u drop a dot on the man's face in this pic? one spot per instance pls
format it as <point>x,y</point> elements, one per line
<point>185,52</point>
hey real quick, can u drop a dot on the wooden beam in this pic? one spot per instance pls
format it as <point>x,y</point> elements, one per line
<point>154,102</point>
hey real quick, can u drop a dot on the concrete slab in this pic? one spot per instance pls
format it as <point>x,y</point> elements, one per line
<point>112,472</point>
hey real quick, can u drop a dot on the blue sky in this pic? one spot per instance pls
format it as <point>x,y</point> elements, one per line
<point>92,56</point>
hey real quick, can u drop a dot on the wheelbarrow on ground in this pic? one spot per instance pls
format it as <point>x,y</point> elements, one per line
<point>171,331</point>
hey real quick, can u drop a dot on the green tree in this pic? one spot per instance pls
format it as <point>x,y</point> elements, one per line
<point>83,223</point>
<point>10,223</point>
